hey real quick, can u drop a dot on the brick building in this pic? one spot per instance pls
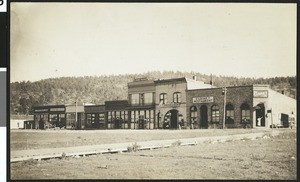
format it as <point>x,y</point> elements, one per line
<point>170,103</point>
<point>258,105</point>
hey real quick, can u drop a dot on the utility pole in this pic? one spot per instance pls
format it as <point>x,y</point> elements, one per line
<point>75,114</point>
<point>224,91</point>
<point>271,117</point>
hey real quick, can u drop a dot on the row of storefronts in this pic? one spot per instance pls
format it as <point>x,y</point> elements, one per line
<point>173,104</point>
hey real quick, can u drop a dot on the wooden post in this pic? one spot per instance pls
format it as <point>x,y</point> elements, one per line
<point>224,116</point>
<point>76,124</point>
<point>272,118</point>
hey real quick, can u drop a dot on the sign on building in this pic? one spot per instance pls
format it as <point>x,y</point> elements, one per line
<point>260,93</point>
<point>172,104</point>
<point>203,99</point>
<point>57,109</point>
<point>41,110</point>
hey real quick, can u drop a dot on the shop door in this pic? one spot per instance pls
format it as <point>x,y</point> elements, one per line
<point>260,115</point>
<point>117,123</point>
<point>285,120</point>
<point>41,123</point>
<point>141,122</point>
<point>78,121</point>
<point>203,118</point>
<point>174,119</point>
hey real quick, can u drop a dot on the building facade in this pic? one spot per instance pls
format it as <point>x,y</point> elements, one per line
<point>117,115</point>
<point>176,103</point>
<point>95,117</point>
<point>257,105</point>
<point>48,116</point>
<point>141,107</point>
<point>206,107</point>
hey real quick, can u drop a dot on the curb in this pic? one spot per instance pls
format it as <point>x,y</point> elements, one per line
<point>145,145</point>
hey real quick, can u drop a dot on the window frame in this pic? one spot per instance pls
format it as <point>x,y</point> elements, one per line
<point>215,114</point>
<point>229,112</point>
<point>177,97</point>
<point>245,107</point>
<point>193,114</point>
<point>163,98</point>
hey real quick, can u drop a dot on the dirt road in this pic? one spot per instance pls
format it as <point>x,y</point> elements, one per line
<point>272,157</point>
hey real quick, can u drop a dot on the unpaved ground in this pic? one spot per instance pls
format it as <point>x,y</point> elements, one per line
<point>39,139</point>
<point>270,158</point>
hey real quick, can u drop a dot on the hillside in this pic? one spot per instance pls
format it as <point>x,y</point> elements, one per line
<point>98,89</point>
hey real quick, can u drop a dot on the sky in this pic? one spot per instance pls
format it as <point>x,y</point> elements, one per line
<point>49,40</point>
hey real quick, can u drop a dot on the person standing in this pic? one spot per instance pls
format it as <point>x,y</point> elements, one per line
<point>259,121</point>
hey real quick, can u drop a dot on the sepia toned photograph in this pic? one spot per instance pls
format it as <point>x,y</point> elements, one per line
<point>193,91</point>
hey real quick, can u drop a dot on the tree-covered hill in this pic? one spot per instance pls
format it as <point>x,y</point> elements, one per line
<point>98,89</point>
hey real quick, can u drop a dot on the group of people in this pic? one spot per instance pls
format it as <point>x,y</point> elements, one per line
<point>245,123</point>
<point>166,124</point>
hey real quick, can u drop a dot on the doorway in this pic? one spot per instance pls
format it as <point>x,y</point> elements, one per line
<point>78,121</point>
<point>141,122</point>
<point>203,117</point>
<point>260,115</point>
<point>171,118</point>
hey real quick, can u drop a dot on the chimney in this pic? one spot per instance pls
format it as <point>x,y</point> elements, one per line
<point>194,78</point>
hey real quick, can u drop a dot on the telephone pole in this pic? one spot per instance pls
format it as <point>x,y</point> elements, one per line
<point>224,91</point>
<point>76,114</point>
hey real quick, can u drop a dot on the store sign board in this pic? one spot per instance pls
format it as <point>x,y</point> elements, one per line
<point>172,105</point>
<point>203,99</point>
<point>41,110</point>
<point>94,109</point>
<point>57,109</point>
<point>260,93</point>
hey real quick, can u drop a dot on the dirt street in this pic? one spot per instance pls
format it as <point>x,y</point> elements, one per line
<point>264,158</point>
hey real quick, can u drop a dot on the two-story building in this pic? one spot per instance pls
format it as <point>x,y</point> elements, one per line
<point>141,98</point>
<point>170,100</point>
<point>170,103</point>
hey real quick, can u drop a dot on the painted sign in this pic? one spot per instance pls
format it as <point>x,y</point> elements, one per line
<point>203,99</point>
<point>57,109</point>
<point>41,110</point>
<point>260,93</point>
<point>172,104</point>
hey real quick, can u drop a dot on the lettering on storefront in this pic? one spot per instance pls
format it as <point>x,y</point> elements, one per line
<point>94,109</point>
<point>57,109</point>
<point>260,93</point>
<point>203,99</point>
<point>172,104</point>
<point>41,110</point>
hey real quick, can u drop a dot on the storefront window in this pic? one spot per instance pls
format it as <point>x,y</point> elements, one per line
<point>132,125</point>
<point>53,119</point>
<point>126,117</point>
<point>151,119</point>
<point>102,120</point>
<point>136,119</point>
<point>215,114</point>
<point>229,114</point>
<point>193,111</point>
<point>109,118</point>
<point>245,108</point>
